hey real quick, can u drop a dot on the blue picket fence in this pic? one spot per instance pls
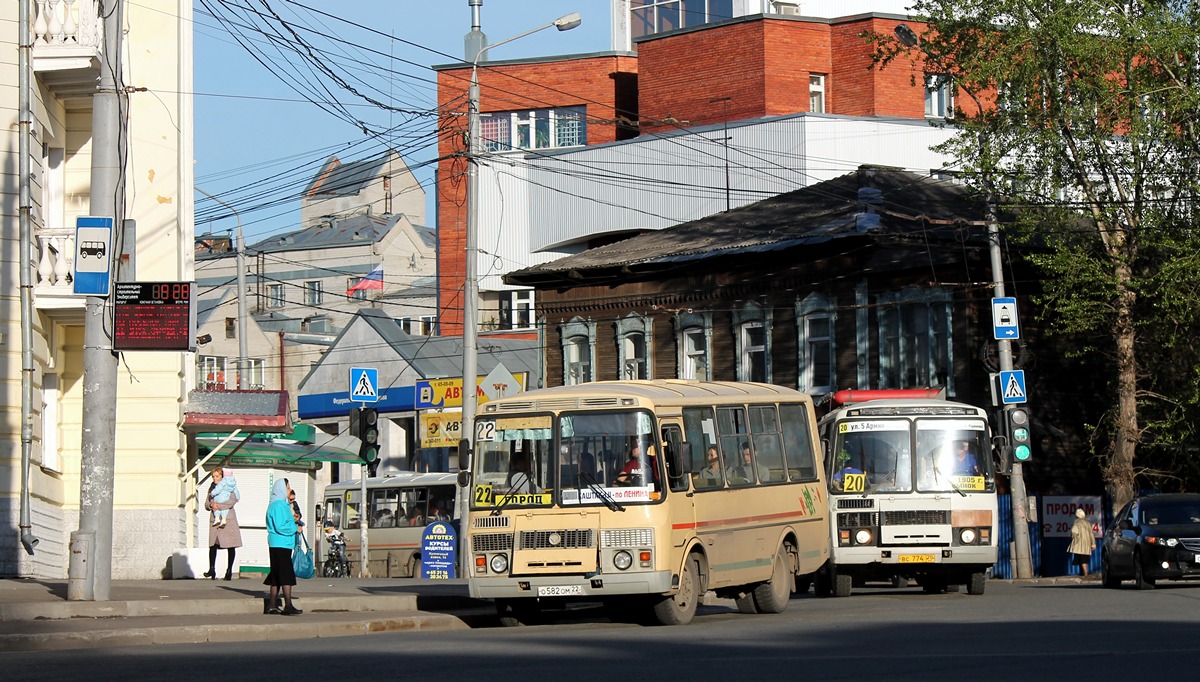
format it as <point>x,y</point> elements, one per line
<point>1050,557</point>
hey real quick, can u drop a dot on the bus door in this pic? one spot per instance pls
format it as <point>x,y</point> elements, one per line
<point>681,504</point>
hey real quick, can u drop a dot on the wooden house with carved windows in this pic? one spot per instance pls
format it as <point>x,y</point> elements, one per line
<point>880,278</point>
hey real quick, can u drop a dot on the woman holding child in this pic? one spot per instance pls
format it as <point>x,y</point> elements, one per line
<point>224,532</point>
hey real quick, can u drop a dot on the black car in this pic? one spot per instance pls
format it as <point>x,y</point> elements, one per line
<point>1155,537</point>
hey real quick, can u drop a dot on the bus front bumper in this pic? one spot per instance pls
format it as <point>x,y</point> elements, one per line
<point>571,586</point>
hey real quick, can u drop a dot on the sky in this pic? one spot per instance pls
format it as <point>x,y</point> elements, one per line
<point>281,85</point>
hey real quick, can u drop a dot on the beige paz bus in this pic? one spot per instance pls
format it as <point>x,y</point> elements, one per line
<point>398,508</point>
<point>645,495</point>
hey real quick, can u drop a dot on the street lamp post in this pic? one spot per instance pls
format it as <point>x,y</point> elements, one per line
<point>470,323</point>
<point>241,289</point>
<point>1024,562</point>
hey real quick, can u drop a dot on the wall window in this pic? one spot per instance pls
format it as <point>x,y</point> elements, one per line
<point>231,327</point>
<point>357,294</point>
<point>939,96</point>
<point>578,348</point>
<point>516,310</point>
<point>647,17</point>
<point>914,340</point>
<point>275,298</point>
<point>534,129</point>
<point>694,343</point>
<point>429,325</point>
<point>815,321</point>
<point>255,374</point>
<point>406,323</point>
<point>816,93</point>
<point>312,292</point>
<point>633,339</point>
<point>212,372</point>
<point>752,326</point>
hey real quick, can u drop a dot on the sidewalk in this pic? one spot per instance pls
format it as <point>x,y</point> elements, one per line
<point>35,614</point>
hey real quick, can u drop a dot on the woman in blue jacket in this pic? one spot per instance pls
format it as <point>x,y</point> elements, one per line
<point>281,540</point>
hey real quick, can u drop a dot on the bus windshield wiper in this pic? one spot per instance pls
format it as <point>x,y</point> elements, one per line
<point>938,473</point>
<point>600,492</point>
<point>890,477</point>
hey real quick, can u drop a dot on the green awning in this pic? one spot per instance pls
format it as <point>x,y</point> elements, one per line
<point>262,451</point>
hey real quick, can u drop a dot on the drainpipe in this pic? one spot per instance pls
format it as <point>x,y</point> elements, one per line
<point>26,281</point>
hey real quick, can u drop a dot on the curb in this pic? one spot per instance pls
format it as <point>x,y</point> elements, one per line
<point>295,628</point>
<point>61,610</point>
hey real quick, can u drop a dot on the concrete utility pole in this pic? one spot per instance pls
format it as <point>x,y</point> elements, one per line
<point>1020,500</point>
<point>98,457</point>
<point>477,41</point>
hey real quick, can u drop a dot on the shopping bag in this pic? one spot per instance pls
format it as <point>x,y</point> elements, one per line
<point>302,559</point>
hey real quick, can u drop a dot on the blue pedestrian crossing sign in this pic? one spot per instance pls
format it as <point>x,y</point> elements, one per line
<point>1004,319</point>
<point>1012,387</point>
<point>364,384</point>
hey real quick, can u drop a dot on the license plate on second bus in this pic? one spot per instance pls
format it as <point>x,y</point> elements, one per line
<point>560,591</point>
<point>916,559</point>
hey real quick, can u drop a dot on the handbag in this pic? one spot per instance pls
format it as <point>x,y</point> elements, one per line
<point>302,559</point>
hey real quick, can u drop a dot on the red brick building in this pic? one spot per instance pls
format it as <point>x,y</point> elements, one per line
<point>742,68</point>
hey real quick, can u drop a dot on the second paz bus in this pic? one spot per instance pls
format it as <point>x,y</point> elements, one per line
<point>912,491</point>
<point>644,495</point>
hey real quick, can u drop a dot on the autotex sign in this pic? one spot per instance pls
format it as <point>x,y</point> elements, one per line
<point>442,393</point>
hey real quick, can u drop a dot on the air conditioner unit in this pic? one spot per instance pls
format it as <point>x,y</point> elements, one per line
<point>787,7</point>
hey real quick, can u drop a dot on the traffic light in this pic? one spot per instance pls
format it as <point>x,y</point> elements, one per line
<point>1018,434</point>
<point>364,424</point>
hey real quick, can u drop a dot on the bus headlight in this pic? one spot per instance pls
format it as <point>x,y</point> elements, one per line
<point>967,536</point>
<point>862,537</point>
<point>499,563</point>
<point>622,560</point>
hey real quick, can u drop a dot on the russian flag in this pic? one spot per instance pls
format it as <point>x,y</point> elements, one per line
<point>373,280</point>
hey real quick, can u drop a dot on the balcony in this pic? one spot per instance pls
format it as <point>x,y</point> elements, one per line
<point>67,40</point>
<point>53,291</point>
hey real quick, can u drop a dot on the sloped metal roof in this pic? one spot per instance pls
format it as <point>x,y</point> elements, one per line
<point>879,204</point>
<point>345,179</point>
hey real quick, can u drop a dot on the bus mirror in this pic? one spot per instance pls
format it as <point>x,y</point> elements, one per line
<point>317,512</point>
<point>682,459</point>
<point>464,478</point>
<point>464,454</point>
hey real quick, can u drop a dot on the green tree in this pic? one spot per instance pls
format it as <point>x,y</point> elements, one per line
<point>1080,119</point>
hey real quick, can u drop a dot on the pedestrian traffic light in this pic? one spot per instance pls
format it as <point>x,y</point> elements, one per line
<point>364,424</point>
<point>1018,434</point>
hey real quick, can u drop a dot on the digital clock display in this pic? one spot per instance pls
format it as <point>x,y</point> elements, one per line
<point>152,316</point>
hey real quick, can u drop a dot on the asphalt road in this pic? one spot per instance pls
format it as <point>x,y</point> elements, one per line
<point>1021,631</point>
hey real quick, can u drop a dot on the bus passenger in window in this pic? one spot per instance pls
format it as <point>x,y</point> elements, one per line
<point>710,475</point>
<point>743,470</point>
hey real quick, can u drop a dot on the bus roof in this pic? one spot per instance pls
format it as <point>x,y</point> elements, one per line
<point>904,407</point>
<point>651,390</point>
<point>402,479</point>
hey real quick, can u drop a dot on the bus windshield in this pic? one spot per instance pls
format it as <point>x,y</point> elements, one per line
<point>601,458</point>
<point>876,455</point>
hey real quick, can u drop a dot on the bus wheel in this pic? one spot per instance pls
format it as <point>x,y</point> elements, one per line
<point>773,595</point>
<point>976,582</point>
<point>517,612</point>
<point>679,608</point>
<point>415,563</point>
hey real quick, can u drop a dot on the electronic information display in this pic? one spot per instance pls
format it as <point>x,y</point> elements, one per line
<point>152,316</point>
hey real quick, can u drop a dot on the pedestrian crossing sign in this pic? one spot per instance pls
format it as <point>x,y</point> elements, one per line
<point>1012,387</point>
<point>364,384</point>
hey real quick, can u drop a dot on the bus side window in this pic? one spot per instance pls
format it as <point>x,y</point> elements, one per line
<point>333,512</point>
<point>351,515</point>
<point>797,443</point>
